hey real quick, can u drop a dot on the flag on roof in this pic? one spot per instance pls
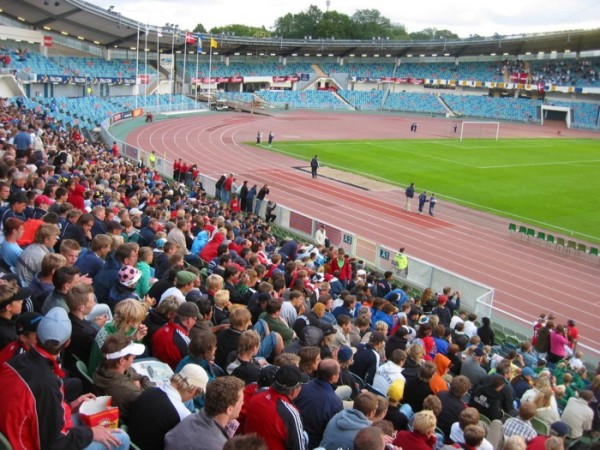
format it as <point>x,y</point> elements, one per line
<point>189,38</point>
<point>213,43</point>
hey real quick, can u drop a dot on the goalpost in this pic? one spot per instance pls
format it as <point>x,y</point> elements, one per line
<point>479,130</point>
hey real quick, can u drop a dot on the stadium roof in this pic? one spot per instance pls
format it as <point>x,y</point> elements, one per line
<point>108,28</point>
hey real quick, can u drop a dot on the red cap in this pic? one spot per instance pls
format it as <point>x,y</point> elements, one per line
<point>43,200</point>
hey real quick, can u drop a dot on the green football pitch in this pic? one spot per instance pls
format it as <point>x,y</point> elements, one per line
<point>550,184</point>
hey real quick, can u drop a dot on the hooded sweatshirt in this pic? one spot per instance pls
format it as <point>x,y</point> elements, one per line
<point>437,383</point>
<point>342,429</point>
<point>386,374</point>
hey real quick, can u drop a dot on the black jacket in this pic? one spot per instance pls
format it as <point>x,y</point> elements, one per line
<point>365,363</point>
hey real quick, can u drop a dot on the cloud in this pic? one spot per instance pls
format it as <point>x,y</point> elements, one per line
<point>463,17</point>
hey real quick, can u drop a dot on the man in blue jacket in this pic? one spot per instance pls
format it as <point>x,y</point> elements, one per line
<point>318,402</point>
<point>108,276</point>
<point>366,359</point>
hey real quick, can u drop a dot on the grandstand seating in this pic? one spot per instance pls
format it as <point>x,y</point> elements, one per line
<point>240,69</point>
<point>364,100</point>
<point>369,70</point>
<point>89,112</point>
<point>493,107</point>
<point>414,102</point>
<point>304,100</point>
<point>98,67</point>
<point>567,72</point>
<point>245,97</point>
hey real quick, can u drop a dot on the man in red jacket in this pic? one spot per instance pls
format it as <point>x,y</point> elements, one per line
<point>272,415</point>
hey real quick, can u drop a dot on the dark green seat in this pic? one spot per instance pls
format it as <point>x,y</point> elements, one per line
<point>512,227</point>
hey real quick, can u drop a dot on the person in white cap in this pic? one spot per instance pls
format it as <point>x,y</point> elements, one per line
<point>116,377</point>
<point>158,410</point>
<point>34,413</point>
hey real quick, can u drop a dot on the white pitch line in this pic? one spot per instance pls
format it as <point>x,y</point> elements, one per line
<point>561,163</point>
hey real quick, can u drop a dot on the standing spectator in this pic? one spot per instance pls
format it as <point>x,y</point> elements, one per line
<point>283,429</point>
<point>343,427</point>
<point>314,166</point>
<point>432,202</point>
<point>485,332</point>
<point>260,197</point>
<point>401,263</point>
<point>224,400</point>
<point>219,187</point>
<point>409,193</point>
<point>422,200</point>
<point>558,344</point>
<point>250,199</point>
<point>572,334</point>
<point>271,137</point>
<point>158,410</point>
<point>318,402</point>
<point>269,216</point>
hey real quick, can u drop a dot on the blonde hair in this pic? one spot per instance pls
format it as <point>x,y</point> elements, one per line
<point>221,298</point>
<point>382,326</point>
<point>425,422</point>
<point>128,312</point>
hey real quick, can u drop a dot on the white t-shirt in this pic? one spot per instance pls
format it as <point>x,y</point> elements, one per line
<point>173,291</point>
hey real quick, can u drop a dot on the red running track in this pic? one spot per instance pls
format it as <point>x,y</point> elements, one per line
<point>528,278</point>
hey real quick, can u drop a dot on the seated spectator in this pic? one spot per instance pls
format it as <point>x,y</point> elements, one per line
<point>184,283</point>
<point>369,438</point>
<point>471,366</point>
<point>485,332</point>
<point>224,400</point>
<point>318,402</point>
<point>128,319</point>
<point>284,429</point>
<point>158,410</point>
<point>92,261</point>
<point>26,327</point>
<point>396,414</point>
<point>417,389</point>
<point>41,285</point>
<point>158,317</point>
<point>272,317</point>
<point>578,414</point>
<point>116,377</point>
<point>31,385</point>
<point>108,276</point>
<point>343,427</point>
<point>227,339</point>
<point>245,366</point>
<point>81,301</point>
<point>221,308</point>
<point>438,383</point>
<point>558,430</point>
<point>544,411</point>
<point>170,342</point>
<point>63,279</point>
<point>125,288</point>
<point>10,249</point>
<point>389,372</point>
<point>468,417</point>
<point>11,305</point>
<point>452,404</point>
<point>366,359</point>
<point>521,425</point>
<point>346,380</point>
<point>30,261</point>
<point>487,398</point>
<point>423,435</point>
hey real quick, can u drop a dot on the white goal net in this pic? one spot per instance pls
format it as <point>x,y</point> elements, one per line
<point>479,130</point>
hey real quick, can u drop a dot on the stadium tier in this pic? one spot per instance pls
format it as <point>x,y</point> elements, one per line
<point>304,100</point>
<point>578,73</point>
<point>585,115</point>
<point>245,97</point>
<point>414,102</point>
<point>367,70</point>
<point>240,69</point>
<point>98,67</point>
<point>363,100</point>
<point>492,108</point>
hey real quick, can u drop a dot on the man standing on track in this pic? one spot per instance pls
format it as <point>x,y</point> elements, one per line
<point>422,200</point>
<point>314,165</point>
<point>271,136</point>
<point>432,202</point>
<point>258,137</point>
<point>409,193</point>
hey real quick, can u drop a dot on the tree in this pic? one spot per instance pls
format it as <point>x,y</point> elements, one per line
<point>432,33</point>
<point>297,26</point>
<point>369,23</point>
<point>336,25</point>
<point>199,29</point>
<point>241,30</point>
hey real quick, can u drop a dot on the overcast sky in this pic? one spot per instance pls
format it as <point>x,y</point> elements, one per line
<point>463,17</point>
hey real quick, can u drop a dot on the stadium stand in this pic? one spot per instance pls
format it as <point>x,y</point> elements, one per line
<point>364,100</point>
<point>414,102</point>
<point>304,100</point>
<point>521,110</point>
<point>369,70</point>
<point>585,114</point>
<point>241,69</point>
<point>567,72</point>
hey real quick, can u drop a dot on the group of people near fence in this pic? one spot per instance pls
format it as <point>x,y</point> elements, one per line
<point>264,341</point>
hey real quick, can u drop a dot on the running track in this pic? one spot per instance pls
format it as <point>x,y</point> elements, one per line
<point>528,278</point>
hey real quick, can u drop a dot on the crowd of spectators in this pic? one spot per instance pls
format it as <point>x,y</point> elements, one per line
<point>274,343</point>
